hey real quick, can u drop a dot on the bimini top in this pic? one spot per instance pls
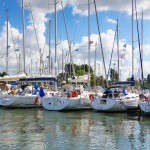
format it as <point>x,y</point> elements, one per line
<point>79,79</point>
<point>13,78</point>
<point>38,79</point>
<point>124,83</point>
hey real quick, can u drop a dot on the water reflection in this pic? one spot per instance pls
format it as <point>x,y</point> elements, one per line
<point>40,129</point>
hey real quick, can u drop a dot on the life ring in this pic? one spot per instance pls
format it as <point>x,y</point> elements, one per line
<point>91,96</point>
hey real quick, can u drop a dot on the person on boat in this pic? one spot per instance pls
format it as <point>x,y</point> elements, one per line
<point>81,90</point>
<point>107,93</point>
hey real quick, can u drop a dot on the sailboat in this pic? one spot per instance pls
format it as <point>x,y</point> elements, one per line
<point>145,96</point>
<point>145,105</point>
<point>116,98</point>
<point>70,98</point>
<point>27,94</point>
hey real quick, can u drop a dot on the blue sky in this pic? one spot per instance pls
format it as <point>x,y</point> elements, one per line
<point>77,25</point>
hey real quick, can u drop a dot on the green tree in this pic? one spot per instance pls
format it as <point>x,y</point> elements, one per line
<point>113,75</point>
<point>148,78</point>
<point>3,74</point>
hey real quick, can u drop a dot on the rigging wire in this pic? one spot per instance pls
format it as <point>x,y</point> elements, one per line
<point>69,44</point>
<point>112,53</point>
<point>141,62</point>
<point>76,26</point>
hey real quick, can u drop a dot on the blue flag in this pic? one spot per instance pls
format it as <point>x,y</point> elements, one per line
<point>41,92</point>
<point>76,50</point>
<point>48,57</point>
<point>17,50</point>
<point>125,45</point>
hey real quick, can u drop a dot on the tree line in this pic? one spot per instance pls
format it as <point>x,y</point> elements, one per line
<point>100,80</point>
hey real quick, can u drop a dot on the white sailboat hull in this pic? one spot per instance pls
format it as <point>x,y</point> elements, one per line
<point>19,101</point>
<point>64,103</point>
<point>145,107</point>
<point>106,104</point>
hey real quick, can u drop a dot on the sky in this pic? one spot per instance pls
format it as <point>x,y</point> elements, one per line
<point>76,16</point>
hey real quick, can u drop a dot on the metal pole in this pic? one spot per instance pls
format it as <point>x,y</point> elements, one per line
<point>142,37</point>
<point>31,67</point>
<point>70,57</point>
<point>36,68</point>
<point>55,44</point>
<point>95,68</point>
<point>118,50</point>
<point>7,43</point>
<point>132,40</point>
<point>19,61</point>
<point>62,62</point>
<point>58,67</point>
<point>24,58</point>
<point>49,48</point>
<point>84,65</point>
<point>89,43</point>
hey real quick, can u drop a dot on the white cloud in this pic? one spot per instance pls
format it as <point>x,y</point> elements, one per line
<point>80,7</point>
<point>111,21</point>
<point>41,9</point>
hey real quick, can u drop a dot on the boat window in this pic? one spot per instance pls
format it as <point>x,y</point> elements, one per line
<point>103,101</point>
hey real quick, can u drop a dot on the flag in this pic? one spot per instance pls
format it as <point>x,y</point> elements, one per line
<point>39,96</point>
<point>48,57</point>
<point>125,45</point>
<point>36,100</point>
<point>74,57</point>
<point>76,50</point>
<point>91,42</point>
<point>41,92</point>
<point>17,50</point>
<point>122,56</point>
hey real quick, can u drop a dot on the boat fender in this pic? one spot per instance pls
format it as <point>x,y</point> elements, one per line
<point>91,96</point>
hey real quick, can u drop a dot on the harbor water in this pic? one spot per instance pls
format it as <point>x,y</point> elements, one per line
<point>38,129</point>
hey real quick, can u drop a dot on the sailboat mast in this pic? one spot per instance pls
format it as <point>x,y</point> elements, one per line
<point>49,58</point>
<point>55,40</point>
<point>89,43</point>
<point>23,47</point>
<point>7,43</point>
<point>62,61</point>
<point>95,67</point>
<point>118,50</point>
<point>132,40</point>
<point>142,37</point>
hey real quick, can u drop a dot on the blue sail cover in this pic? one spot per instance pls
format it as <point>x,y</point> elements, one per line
<point>124,83</point>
